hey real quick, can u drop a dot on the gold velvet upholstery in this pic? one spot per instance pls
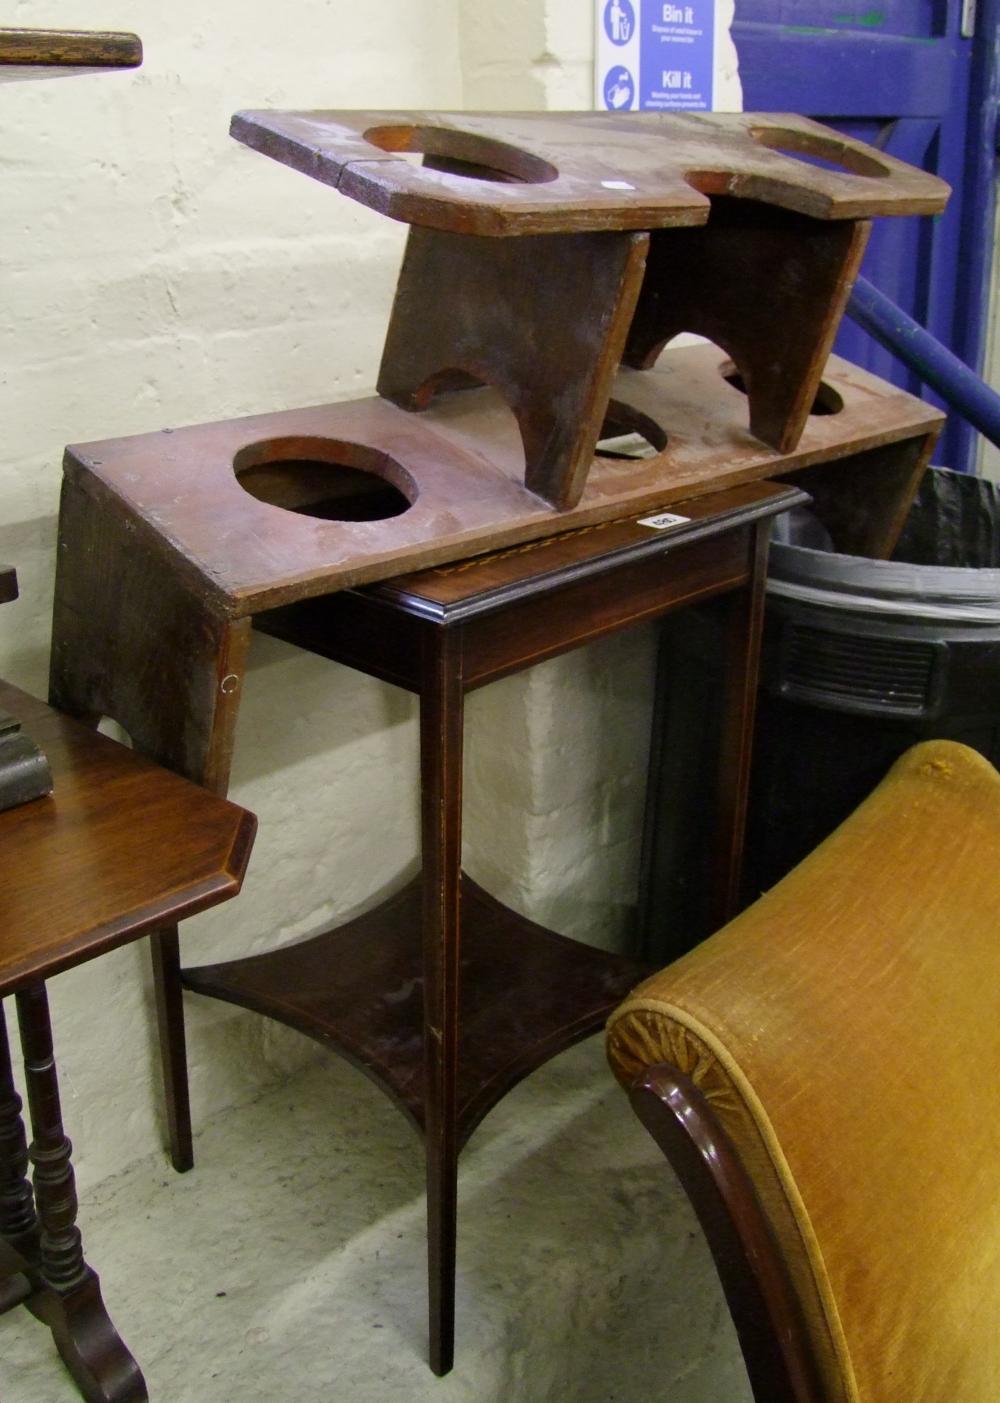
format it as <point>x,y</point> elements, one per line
<point>845,1031</point>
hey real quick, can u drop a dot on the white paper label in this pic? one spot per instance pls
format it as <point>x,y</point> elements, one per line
<point>663,522</point>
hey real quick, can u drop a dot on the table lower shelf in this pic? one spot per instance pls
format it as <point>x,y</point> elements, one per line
<point>527,993</point>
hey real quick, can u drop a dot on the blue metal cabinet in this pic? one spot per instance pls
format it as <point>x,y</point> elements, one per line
<point>917,78</point>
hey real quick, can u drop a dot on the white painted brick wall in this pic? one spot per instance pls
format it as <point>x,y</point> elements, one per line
<point>153,272</point>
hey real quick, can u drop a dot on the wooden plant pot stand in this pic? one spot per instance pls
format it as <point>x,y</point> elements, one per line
<point>120,847</point>
<point>548,248</point>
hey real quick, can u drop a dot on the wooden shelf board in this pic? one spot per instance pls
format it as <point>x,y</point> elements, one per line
<point>527,993</point>
<point>39,53</point>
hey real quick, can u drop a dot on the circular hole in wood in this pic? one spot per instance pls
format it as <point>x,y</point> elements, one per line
<point>827,400</point>
<point>464,153</point>
<point>628,433</point>
<point>826,152</point>
<point>325,478</point>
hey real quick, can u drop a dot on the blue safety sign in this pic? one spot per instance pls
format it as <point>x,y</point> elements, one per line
<point>654,55</point>
<point>619,20</point>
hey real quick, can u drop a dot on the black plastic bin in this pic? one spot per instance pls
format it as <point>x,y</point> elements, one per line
<point>861,658</point>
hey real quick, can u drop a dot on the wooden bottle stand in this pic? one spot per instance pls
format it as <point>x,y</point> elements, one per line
<point>548,248</point>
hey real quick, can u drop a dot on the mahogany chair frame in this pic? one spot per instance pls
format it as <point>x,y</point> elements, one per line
<point>761,1299</point>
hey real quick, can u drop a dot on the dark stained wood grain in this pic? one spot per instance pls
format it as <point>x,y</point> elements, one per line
<point>529,604</point>
<point>442,725</point>
<point>66,1292</point>
<point>18,1219</point>
<point>120,847</point>
<point>34,53</point>
<point>483,584</point>
<point>526,993</point>
<point>573,172</point>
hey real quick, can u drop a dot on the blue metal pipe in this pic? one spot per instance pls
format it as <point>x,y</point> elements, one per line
<point>933,363</point>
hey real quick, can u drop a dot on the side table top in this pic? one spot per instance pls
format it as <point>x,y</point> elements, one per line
<point>120,847</point>
<point>53,53</point>
<point>482,584</point>
<point>534,173</point>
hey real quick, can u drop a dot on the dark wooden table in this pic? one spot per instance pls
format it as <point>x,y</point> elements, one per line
<point>120,847</point>
<point>443,996</point>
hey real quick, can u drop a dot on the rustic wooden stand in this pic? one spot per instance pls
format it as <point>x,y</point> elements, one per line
<point>165,562</point>
<point>547,248</point>
<point>122,847</point>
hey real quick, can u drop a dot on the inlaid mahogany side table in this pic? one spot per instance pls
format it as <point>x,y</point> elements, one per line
<point>173,545</point>
<point>443,996</point>
<point>120,847</point>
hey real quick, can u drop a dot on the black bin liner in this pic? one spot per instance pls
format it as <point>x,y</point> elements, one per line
<point>861,658</point>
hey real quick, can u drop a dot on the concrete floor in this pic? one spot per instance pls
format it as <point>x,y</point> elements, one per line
<point>290,1264</point>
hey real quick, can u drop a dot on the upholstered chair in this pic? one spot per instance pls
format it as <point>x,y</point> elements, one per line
<point>823,1075</point>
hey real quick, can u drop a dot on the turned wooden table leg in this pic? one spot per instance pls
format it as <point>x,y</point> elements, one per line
<point>441,714</point>
<point>744,624</point>
<point>69,1298</point>
<point>18,1222</point>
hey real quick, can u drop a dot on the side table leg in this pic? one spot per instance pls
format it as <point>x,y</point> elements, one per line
<point>744,622</point>
<point>69,1300</point>
<point>164,947</point>
<point>18,1221</point>
<point>441,715</point>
